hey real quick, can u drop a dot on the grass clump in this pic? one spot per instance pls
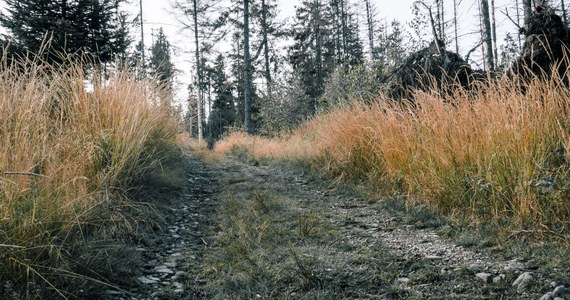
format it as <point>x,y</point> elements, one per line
<point>499,154</point>
<point>66,151</point>
<point>266,248</point>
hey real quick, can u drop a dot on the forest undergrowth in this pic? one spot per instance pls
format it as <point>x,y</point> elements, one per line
<point>69,152</point>
<point>498,154</point>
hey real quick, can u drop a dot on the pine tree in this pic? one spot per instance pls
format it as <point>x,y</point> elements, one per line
<point>223,110</point>
<point>394,51</point>
<point>160,61</point>
<point>313,54</point>
<point>96,27</point>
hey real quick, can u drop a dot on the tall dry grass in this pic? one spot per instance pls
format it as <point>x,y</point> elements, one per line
<point>496,154</point>
<point>64,150</point>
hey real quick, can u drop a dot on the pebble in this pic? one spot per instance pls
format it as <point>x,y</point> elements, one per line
<point>523,281</point>
<point>547,296</point>
<point>164,270</point>
<point>148,280</point>
<point>486,277</point>
<point>560,291</point>
<point>499,279</point>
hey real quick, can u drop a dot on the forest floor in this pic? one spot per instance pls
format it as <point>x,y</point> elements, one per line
<point>244,229</point>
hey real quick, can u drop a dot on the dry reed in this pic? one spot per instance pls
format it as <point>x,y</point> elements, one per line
<point>498,154</point>
<point>65,147</point>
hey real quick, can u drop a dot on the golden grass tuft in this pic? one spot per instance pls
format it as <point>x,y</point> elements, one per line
<point>288,147</point>
<point>497,154</point>
<point>64,149</point>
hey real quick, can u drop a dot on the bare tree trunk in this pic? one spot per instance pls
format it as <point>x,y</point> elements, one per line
<point>370,23</point>
<point>442,21</point>
<point>268,81</point>
<point>455,4</point>
<point>527,9</point>
<point>247,69</point>
<point>518,21</point>
<point>564,12</point>
<point>318,55</point>
<point>494,33</point>
<point>343,21</point>
<point>142,35</point>
<point>487,36</point>
<point>198,70</point>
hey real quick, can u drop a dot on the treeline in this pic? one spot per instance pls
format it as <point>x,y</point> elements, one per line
<point>57,31</point>
<point>330,51</point>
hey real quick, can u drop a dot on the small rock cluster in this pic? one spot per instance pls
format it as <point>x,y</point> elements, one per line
<point>164,272</point>
<point>523,281</point>
<point>560,292</point>
<point>171,258</point>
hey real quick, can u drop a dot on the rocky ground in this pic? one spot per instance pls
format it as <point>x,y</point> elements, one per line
<point>311,239</point>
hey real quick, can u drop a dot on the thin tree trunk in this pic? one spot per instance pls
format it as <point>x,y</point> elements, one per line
<point>337,33</point>
<point>442,21</point>
<point>343,20</point>
<point>527,9</point>
<point>494,33</point>
<point>142,34</point>
<point>266,47</point>
<point>456,36</point>
<point>247,69</point>
<point>198,70</point>
<point>64,9</point>
<point>518,21</point>
<point>318,57</point>
<point>370,23</point>
<point>564,12</point>
<point>487,36</point>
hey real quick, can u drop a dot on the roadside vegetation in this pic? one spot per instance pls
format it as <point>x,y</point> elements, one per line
<point>495,155</point>
<point>69,153</point>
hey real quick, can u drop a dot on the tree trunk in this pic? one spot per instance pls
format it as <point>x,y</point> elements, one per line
<point>456,36</point>
<point>439,18</point>
<point>494,33</point>
<point>487,36</point>
<point>247,69</point>
<point>343,20</point>
<point>518,22</point>
<point>142,34</point>
<point>370,23</point>
<point>198,71</point>
<point>527,9</point>
<point>265,47</point>
<point>64,9</point>
<point>318,57</point>
<point>442,21</point>
<point>564,12</point>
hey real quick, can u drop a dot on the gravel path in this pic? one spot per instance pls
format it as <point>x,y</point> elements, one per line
<point>415,263</point>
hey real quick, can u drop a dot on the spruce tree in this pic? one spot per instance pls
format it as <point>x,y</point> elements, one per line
<point>96,27</point>
<point>160,62</point>
<point>223,109</point>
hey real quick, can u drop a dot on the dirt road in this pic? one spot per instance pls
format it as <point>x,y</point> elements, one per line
<point>274,231</point>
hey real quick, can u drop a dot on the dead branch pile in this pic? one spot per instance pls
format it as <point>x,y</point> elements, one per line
<point>428,68</point>
<point>544,47</point>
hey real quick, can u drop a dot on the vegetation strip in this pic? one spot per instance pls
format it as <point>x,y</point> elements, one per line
<point>281,235</point>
